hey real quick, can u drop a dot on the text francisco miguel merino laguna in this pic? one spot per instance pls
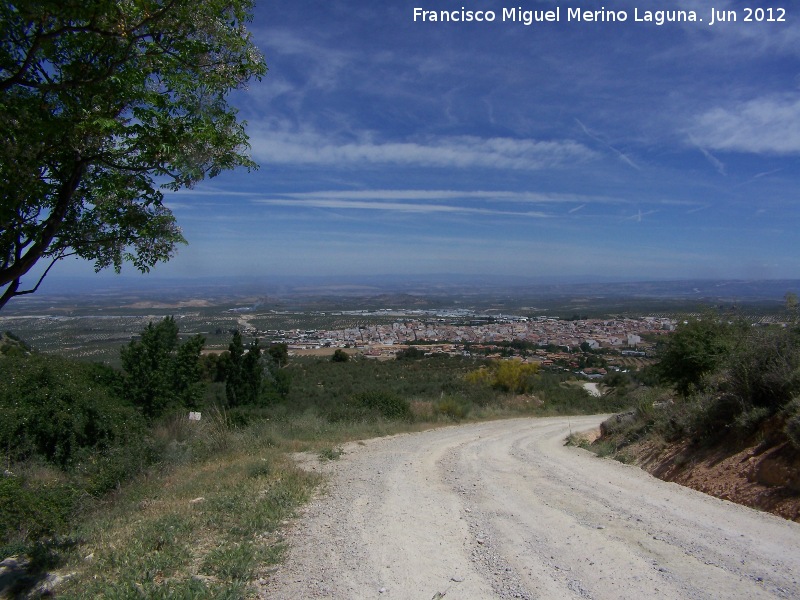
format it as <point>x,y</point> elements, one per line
<point>657,17</point>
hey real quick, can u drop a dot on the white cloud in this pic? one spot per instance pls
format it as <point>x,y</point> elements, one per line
<point>619,153</point>
<point>760,126</point>
<point>486,195</point>
<point>715,162</point>
<point>279,146</point>
<point>399,207</point>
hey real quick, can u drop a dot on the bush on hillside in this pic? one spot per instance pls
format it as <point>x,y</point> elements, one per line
<point>696,350</point>
<point>765,370</point>
<point>340,356</point>
<point>64,434</point>
<point>57,409</point>
<point>792,427</point>
<point>370,406</point>
<point>11,345</point>
<point>410,353</point>
<point>510,376</point>
<point>28,513</point>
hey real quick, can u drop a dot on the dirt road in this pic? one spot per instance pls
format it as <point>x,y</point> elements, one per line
<point>505,510</point>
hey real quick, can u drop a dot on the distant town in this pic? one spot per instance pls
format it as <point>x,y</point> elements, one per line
<point>547,340</point>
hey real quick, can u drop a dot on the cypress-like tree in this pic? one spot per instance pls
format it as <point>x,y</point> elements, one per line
<point>161,373</point>
<point>233,377</point>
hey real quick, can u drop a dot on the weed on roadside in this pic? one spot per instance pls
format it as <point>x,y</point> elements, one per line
<point>203,531</point>
<point>330,453</point>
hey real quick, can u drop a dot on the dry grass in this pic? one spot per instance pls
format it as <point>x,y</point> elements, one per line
<point>200,530</point>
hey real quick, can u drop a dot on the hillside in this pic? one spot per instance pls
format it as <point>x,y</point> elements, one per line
<point>762,473</point>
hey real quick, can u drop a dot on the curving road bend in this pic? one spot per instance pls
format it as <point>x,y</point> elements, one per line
<point>505,510</point>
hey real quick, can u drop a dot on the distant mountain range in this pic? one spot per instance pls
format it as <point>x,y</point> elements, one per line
<point>483,293</point>
<point>429,285</point>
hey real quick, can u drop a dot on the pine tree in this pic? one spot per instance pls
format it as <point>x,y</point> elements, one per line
<point>161,373</point>
<point>233,378</point>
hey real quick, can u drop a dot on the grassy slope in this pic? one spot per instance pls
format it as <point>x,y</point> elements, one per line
<point>206,520</point>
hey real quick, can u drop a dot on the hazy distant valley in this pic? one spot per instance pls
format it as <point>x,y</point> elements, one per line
<point>91,319</point>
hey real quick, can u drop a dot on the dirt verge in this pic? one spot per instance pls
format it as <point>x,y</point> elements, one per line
<point>761,476</point>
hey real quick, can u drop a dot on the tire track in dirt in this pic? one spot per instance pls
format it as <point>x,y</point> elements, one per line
<point>505,510</point>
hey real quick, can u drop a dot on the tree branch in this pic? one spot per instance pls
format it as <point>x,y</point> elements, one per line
<point>50,229</point>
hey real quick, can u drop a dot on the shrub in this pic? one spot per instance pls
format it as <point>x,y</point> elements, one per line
<point>65,414</point>
<point>410,353</point>
<point>386,404</point>
<point>510,376</point>
<point>11,345</point>
<point>340,356</point>
<point>616,379</point>
<point>56,409</point>
<point>451,407</point>
<point>792,427</point>
<point>765,371</point>
<point>748,421</point>
<point>695,350</point>
<point>371,405</point>
<point>30,512</point>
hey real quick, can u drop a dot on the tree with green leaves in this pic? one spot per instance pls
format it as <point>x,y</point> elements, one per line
<point>279,353</point>
<point>233,374</point>
<point>246,370</point>
<point>410,353</point>
<point>340,355</point>
<point>695,350</point>
<point>252,374</point>
<point>161,373</point>
<point>102,105</point>
<point>791,304</point>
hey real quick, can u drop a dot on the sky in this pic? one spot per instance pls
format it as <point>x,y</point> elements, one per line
<point>561,150</point>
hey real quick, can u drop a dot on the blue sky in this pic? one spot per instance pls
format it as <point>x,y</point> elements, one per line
<point>570,149</point>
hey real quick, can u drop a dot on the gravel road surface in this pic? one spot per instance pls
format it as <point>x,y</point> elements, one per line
<point>505,510</point>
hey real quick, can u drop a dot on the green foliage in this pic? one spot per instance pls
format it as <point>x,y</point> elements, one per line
<point>281,384</point>
<point>451,407</point>
<point>760,377</point>
<point>214,367</point>
<point>511,376</point>
<point>234,383</point>
<point>161,374</point>
<point>792,427</point>
<point>754,376</point>
<point>317,384</point>
<point>252,375</point>
<point>695,350</point>
<point>248,379</point>
<point>29,512</point>
<point>386,404</point>
<point>370,406</point>
<point>617,379</point>
<point>101,105</point>
<point>328,389</point>
<point>55,409</point>
<point>11,345</point>
<point>340,356</point>
<point>279,354</point>
<point>792,306</point>
<point>410,353</point>
<point>765,370</point>
<point>61,418</point>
